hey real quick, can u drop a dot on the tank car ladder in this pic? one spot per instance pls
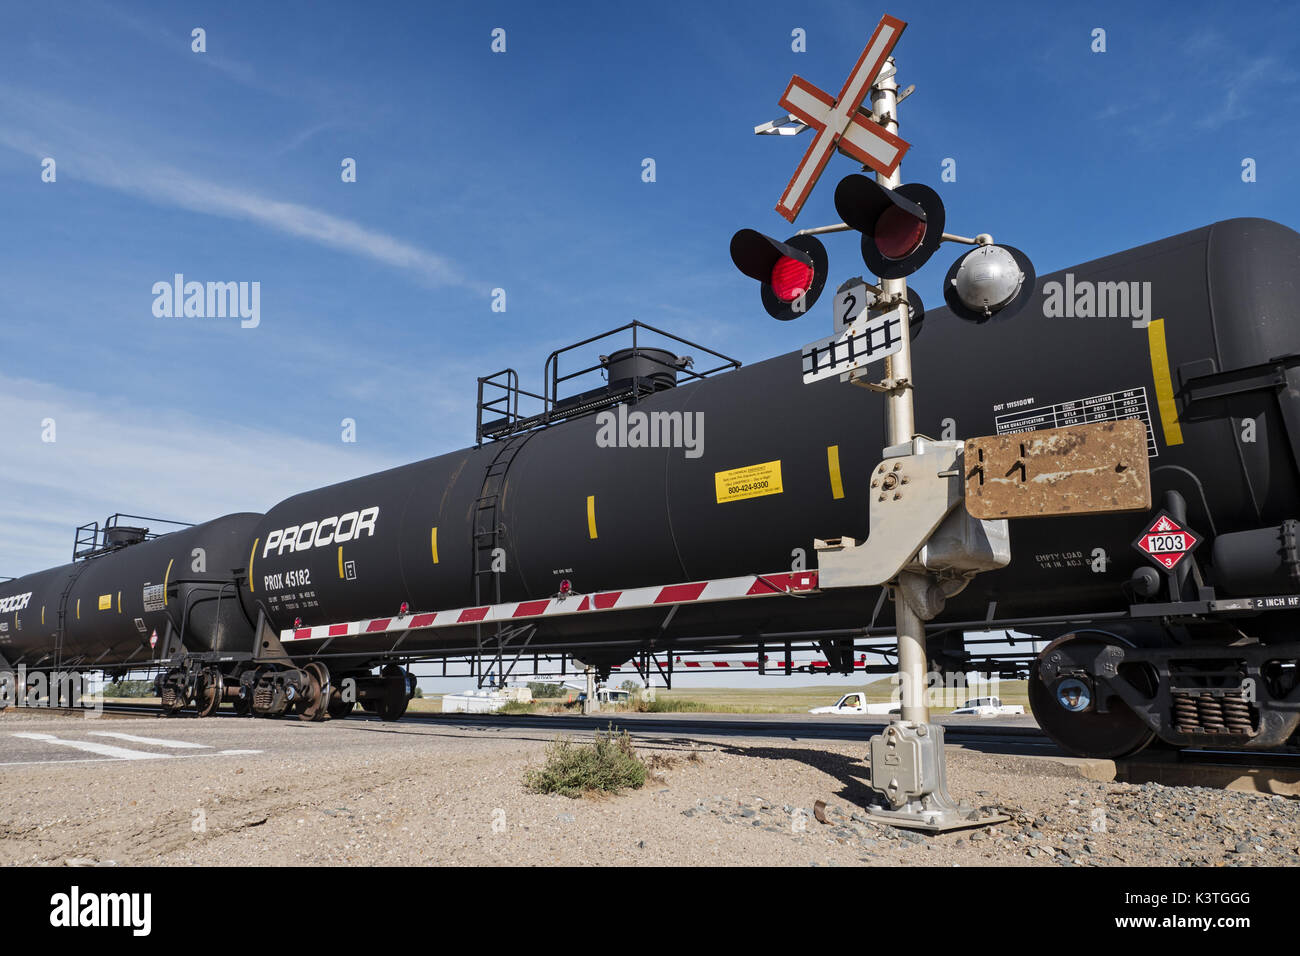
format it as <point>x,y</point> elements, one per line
<point>487,536</point>
<point>63,613</point>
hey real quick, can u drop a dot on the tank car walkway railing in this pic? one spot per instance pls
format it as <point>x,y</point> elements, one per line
<point>92,540</point>
<point>552,369</point>
<point>499,394</point>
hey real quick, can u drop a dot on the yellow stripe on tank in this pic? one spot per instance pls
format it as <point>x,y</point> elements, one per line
<point>833,464</point>
<point>1164,383</point>
<point>251,555</point>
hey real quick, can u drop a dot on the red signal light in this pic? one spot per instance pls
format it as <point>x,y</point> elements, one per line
<point>790,274</point>
<point>790,278</point>
<point>897,233</point>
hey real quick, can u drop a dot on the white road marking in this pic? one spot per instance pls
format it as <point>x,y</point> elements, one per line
<point>155,741</point>
<point>104,750</point>
<point>60,763</point>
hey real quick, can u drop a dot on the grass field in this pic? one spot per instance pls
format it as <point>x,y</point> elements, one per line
<point>763,700</point>
<point>428,704</point>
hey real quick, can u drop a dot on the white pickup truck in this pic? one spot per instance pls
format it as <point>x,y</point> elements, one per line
<point>987,707</point>
<point>856,703</point>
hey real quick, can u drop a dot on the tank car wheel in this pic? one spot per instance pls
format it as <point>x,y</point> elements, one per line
<point>392,708</point>
<point>210,690</point>
<point>1066,713</point>
<point>338,707</point>
<point>244,705</point>
<point>314,705</point>
<point>393,704</point>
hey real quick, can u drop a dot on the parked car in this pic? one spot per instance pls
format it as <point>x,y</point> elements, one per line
<point>987,707</point>
<point>856,703</point>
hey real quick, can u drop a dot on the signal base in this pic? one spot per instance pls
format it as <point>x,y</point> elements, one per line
<point>909,771</point>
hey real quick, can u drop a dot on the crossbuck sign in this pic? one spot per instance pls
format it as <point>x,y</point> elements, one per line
<point>839,123</point>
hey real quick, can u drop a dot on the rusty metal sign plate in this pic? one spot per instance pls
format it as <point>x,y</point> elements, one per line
<point>1083,469</point>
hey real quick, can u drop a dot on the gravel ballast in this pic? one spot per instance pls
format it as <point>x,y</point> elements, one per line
<point>362,792</point>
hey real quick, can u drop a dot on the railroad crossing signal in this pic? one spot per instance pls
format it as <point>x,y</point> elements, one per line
<point>791,274</point>
<point>838,122</point>
<point>901,228</point>
<point>1166,542</point>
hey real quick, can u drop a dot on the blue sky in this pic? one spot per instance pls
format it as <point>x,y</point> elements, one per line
<point>521,171</point>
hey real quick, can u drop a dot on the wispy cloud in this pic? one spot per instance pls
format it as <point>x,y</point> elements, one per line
<point>1153,110</point>
<point>1240,87</point>
<point>303,135</point>
<point>126,169</point>
<point>161,37</point>
<point>113,455</point>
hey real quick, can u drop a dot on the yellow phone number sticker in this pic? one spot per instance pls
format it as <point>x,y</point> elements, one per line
<point>752,481</point>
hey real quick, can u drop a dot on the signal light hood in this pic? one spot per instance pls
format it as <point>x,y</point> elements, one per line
<point>862,202</point>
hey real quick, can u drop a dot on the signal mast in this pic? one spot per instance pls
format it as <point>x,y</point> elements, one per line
<point>901,226</point>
